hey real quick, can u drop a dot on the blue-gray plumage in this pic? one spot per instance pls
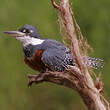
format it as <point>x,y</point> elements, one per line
<point>42,54</point>
<point>56,56</point>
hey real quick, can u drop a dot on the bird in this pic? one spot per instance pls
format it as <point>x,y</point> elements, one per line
<point>42,54</point>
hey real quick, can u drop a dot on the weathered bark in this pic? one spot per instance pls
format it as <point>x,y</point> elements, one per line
<point>76,78</point>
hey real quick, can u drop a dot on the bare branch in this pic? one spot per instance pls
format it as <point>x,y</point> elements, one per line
<point>77,78</point>
<point>68,78</point>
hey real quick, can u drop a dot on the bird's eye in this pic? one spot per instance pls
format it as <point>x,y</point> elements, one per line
<point>26,31</point>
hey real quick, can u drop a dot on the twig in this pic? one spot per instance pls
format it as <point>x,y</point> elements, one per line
<point>55,5</point>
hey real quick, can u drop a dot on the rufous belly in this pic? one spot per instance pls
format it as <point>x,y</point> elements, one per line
<point>35,61</point>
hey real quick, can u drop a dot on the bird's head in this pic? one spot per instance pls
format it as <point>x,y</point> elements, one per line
<point>27,35</point>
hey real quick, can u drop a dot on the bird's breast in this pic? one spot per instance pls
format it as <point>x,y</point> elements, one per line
<point>35,61</point>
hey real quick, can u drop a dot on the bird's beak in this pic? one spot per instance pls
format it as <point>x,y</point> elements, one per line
<point>14,33</point>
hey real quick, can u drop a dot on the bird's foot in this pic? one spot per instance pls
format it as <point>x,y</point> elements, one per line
<point>34,79</point>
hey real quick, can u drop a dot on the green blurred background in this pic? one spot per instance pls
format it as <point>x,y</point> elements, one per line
<point>93,16</point>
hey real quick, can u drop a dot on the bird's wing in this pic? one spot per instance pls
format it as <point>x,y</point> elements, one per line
<point>53,44</point>
<point>57,60</point>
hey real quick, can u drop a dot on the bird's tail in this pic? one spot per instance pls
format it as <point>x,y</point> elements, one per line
<point>93,62</point>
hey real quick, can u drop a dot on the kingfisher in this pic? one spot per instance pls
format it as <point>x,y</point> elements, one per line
<point>47,54</point>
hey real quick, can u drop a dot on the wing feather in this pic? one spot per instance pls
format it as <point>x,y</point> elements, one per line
<point>56,60</point>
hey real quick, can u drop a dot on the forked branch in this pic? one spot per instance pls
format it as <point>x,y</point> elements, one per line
<point>75,78</point>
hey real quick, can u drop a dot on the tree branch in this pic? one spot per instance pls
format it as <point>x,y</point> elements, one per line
<point>55,5</point>
<point>77,78</point>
